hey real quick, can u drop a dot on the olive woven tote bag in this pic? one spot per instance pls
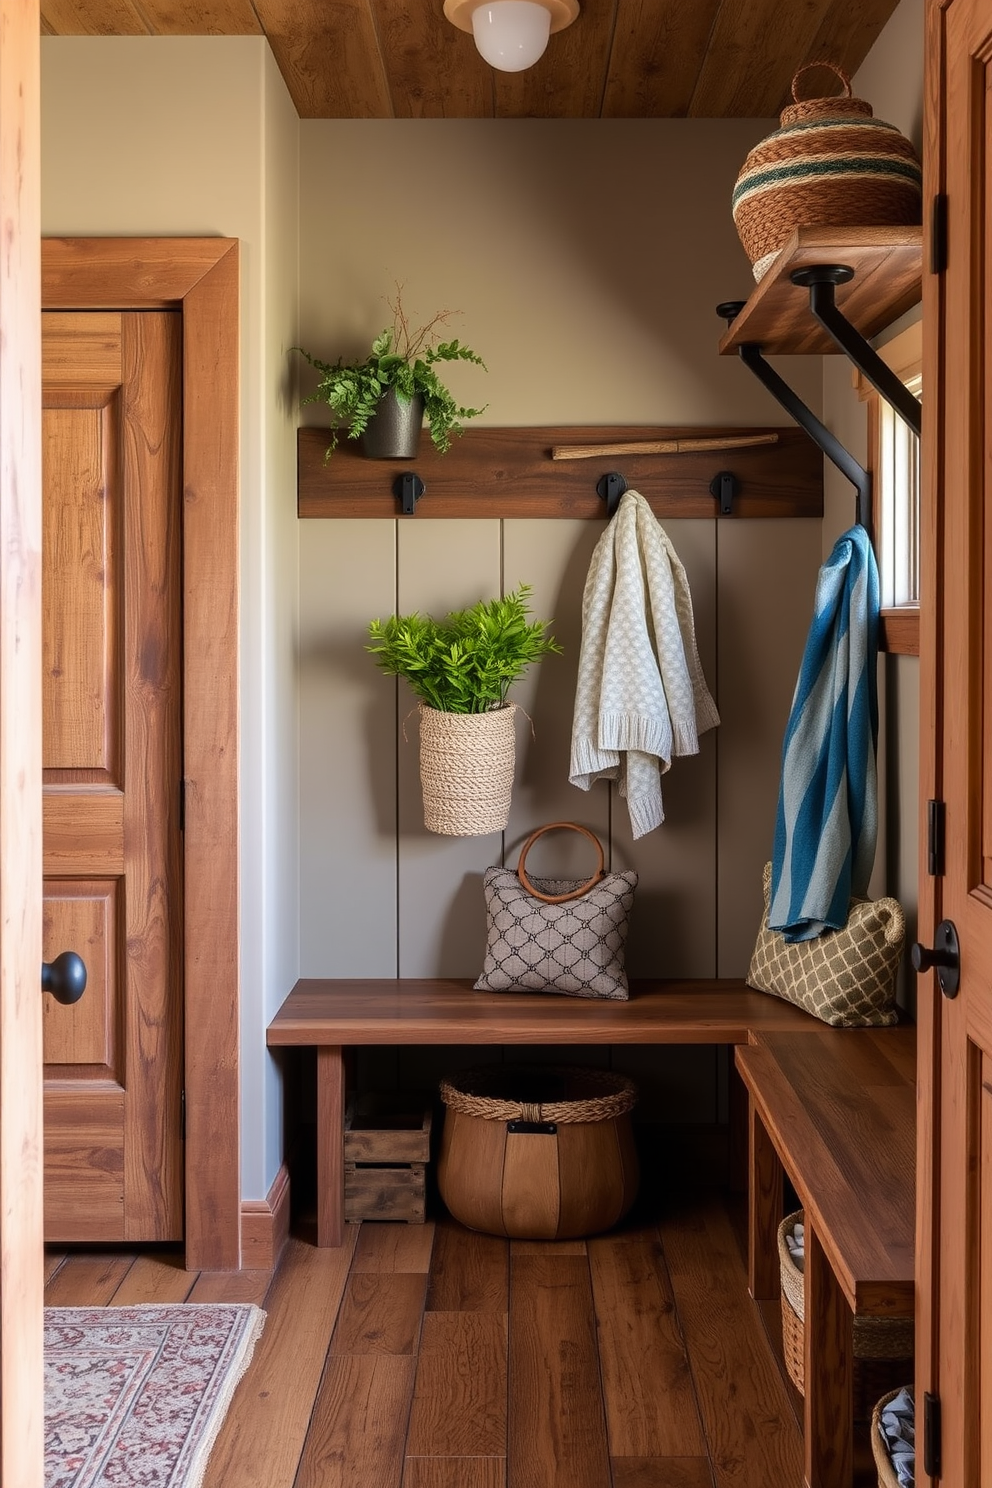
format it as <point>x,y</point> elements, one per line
<point>844,977</point>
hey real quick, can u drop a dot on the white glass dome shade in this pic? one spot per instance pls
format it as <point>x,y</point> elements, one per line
<point>511,35</point>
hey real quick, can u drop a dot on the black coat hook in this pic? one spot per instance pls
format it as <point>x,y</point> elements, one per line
<point>408,489</point>
<point>611,487</point>
<point>725,486</point>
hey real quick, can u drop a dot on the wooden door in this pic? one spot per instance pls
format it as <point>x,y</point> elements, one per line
<point>111,703</point>
<point>21,1433</point>
<point>955,1337</point>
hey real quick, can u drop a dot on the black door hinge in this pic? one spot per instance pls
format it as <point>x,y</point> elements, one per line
<point>182,804</point>
<point>938,234</point>
<point>182,1115</point>
<point>935,838</point>
<point>931,1435</point>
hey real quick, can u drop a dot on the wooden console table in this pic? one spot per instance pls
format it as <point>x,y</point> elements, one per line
<point>334,1015</point>
<point>835,1109</point>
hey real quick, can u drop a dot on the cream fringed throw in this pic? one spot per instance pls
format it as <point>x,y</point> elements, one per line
<point>641,697</point>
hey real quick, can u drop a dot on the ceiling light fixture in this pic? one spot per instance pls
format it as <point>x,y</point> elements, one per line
<point>511,34</point>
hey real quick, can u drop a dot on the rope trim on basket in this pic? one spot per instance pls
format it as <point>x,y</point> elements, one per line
<point>617,1095</point>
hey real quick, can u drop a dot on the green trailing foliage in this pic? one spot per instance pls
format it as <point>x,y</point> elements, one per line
<point>401,359</point>
<point>467,662</point>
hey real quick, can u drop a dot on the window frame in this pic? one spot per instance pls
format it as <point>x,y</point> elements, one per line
<point>899,631</point>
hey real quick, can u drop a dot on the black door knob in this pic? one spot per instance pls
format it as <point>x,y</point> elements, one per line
<point>65,977</point>
<point>945,958</point>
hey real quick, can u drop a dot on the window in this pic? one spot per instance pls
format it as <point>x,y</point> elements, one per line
<point>894,461</point>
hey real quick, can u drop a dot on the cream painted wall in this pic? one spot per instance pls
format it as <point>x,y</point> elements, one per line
<point>891,79</point>
<point>587,258</point>
<point>197,136</point>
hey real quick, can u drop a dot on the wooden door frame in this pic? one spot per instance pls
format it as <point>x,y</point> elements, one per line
<point>929,1002</point>
<point>199,277</point>
<point>21,1280</point>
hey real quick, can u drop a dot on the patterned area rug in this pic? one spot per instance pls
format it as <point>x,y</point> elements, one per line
<point>135,1396</point>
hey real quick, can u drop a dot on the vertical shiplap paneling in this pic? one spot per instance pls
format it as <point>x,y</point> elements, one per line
<point>673,931</point>
<point>347,753</point>
<point>553,557</point>
<point>766,575</point>
<point>441,566</point>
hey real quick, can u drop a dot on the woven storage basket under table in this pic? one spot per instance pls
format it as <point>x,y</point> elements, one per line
<point>831,164</point>
<point>883,1346</point>
<point>538,1153</point>
<point>883,1462</point>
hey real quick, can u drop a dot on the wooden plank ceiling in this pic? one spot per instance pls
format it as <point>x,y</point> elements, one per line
<point>385,59</point>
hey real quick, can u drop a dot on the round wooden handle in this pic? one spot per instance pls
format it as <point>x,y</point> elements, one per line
<point>573,893</point>
<point>809,66</point>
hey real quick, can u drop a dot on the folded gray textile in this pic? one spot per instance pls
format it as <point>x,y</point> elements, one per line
<point>898,1432</point>
<point>796,1241</point>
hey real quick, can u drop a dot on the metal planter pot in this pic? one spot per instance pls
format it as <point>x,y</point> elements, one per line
<point>393,432</point>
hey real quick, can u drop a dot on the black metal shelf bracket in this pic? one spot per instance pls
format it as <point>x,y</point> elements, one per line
<point>821,280</point>
<point>751,355</point>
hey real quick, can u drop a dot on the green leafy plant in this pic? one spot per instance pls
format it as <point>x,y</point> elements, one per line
<point>466,662</point>
<point>403,359</point>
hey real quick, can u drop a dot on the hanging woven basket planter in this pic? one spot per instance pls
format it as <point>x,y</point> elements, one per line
<point>466,770</point>
<point>831,164</point>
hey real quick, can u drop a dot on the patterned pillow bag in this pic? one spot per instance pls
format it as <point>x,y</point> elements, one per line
<point>844,977</point>
<point>557,935</point>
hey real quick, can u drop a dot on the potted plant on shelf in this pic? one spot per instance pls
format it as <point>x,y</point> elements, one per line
<point>461,669</point>
<point>386,396</point>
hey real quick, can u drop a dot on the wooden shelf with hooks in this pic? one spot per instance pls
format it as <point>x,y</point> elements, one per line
<point>888,281</point>
<point>509,472</point>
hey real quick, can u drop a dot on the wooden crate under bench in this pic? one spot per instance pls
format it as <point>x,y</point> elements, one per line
<point>387,1145</point>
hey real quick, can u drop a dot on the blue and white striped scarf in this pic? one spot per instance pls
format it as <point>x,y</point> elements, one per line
<point>827,807</point>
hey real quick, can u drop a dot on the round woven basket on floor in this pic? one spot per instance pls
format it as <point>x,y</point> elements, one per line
<point>466,770</point>
<point>883,1347</point>
<point>538,1153</point>
<point>887,1477</point>
<point>831,164</point>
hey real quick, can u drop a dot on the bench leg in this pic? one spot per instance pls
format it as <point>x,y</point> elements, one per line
<point>765,1192</point>
<point>330,1145</point>
<point>829,1364</point>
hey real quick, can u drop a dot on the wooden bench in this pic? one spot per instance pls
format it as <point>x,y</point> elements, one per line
<point>335,1015</point>
<point>835,1109</point>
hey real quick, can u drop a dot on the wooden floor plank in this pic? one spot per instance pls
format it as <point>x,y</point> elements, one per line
<point>459,1402</point>
<point>87,1279</point>
<point>747,1418</point>
<point>394,1247</point>
<point>468,1270</point>
<point>53,1260</point>
<point>261,1441</point>
<point>650,1403</point>
<point>380,1313</point>
<point>455,1472</point>
<point>548,1247</point>
<point>232,1286</point>
<point>661,1472</point>
<point>359,1423</point>
<point>556,1435</point>
<point>159,1279</point>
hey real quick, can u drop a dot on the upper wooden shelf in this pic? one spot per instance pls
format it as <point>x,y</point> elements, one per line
<point>888,280</point>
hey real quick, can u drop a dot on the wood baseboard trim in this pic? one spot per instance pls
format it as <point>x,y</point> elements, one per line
<point>265,1225</point>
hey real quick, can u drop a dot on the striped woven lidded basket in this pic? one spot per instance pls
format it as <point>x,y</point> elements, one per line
<point>831,164</point>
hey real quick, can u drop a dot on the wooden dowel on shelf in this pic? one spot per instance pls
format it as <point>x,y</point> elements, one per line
<point>659,446</point>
